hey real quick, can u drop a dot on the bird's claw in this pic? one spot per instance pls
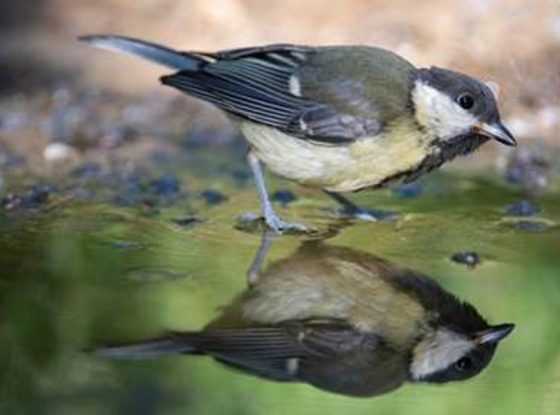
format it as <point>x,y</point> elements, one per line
<point>279,226</point>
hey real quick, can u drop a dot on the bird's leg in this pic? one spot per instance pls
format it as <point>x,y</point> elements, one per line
<point>350,209</point>
<point>270,217</point>
<point>256,266</point>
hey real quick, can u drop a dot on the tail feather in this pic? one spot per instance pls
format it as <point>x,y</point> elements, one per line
<point>150,349</point>
<point>147,50</point>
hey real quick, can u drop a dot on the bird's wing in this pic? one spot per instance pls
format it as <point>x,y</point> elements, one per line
<point>264,85</point>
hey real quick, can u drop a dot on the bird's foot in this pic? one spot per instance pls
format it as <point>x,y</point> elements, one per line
<point>251,222</point>
<point>280,226</point>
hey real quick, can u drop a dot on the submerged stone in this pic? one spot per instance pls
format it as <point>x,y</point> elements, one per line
<point>284,197</point>
<point>522,208</point>
<point>468,258</point>
<point>213,197</point>
<point>188,221</point>
<point>166,185</point>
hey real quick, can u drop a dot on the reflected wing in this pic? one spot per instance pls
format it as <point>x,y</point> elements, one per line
<point>279,352</point>
<point>262,85</point>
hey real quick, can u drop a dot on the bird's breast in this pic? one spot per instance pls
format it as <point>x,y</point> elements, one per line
<point>366,162</point>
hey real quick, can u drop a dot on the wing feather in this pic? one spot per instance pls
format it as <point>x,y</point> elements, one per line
<point>254,83</point>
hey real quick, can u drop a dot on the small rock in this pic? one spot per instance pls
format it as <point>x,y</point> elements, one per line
<point>37,196</point>
<point>188,221</point>
<point>468,258</point>
<point>56,152</point>
<point>522,208</point>
<point>284,197</point>
<point>167,186</point>
<point>213,197</point>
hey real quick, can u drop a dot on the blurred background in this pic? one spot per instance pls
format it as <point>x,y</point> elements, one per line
<point>514,43</point>
<point>118,198</point>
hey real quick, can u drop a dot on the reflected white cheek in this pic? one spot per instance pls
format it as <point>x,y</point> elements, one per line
<point>439,114</point>
<point>437,352</point>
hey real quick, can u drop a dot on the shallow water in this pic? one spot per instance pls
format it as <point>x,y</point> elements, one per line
<point>76,275</point>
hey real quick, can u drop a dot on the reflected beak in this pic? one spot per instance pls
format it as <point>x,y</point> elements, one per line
<point>494,334</point>
<point>497,131</point>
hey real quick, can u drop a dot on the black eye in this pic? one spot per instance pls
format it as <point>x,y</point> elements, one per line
<point>466,101</point>
<point>464,364</point>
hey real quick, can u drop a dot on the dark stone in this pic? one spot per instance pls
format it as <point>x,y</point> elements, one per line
<point>167,185</point>
<point>522,208</point>
<point>188,221</point>
<point>468,258</point>
<point>35,197</point>
<point>284,197</point>
<point>213,197</point>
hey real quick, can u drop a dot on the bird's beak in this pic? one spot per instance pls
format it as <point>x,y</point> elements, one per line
<point>497,131</point>
<point>494,334</point>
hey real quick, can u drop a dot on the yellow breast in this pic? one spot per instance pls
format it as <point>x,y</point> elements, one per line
<point>340,168</point>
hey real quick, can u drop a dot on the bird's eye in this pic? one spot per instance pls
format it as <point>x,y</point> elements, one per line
<point>466,101</point>
<point>464,364</point>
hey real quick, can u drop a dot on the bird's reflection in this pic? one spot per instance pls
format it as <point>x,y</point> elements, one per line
<point>342,320</point>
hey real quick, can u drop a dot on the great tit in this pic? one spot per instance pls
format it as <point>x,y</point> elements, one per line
<point>343,321</point>
<point>339,118</point>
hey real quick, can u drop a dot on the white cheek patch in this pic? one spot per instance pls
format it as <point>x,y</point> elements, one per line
<point>438,352</point>
<point>439,114</point>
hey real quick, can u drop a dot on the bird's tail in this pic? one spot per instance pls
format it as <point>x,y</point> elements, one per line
<point>150,51</point>
<point>149,349</point>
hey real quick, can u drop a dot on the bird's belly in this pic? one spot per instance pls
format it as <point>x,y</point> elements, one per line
<point>366,162</point>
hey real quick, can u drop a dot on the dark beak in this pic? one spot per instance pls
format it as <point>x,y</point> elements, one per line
<point>494,334</point>
<point>497,131</point>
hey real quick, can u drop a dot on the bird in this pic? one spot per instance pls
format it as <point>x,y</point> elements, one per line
<point>342,320</point>
<point>339,118</point>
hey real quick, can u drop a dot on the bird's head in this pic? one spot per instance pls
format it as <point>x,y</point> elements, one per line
<point>449,104</point>
<point>448,354</point>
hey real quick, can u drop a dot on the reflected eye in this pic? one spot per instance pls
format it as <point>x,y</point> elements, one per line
<point>464,364</point>
<point>466,101</point>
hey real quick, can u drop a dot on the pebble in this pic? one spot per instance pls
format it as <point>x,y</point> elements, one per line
<point>468,258</point>
<point>35,197</point>
<point>167,185</point>
<point>213,197</point>
<point>56,152</point>
<point>284,197</point>
<point>522,208</point>
<point>188,221</point>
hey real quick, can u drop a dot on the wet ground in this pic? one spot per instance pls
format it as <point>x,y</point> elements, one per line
<point>120,204</point>
<point>110,252</point>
